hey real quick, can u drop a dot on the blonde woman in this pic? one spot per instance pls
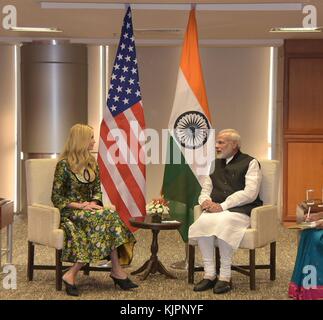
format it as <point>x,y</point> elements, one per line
<point>92,232</point>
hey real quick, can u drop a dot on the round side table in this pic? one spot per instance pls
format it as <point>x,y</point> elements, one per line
<point>153,265</point>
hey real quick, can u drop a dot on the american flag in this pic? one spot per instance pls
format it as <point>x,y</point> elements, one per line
<point>122,168</point>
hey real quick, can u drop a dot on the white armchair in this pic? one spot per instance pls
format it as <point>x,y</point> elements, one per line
<point>262,231</point>
<point>44,218</point>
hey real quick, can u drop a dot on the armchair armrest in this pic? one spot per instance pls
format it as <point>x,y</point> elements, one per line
<point>265,221</point>
<point>44,226</point>
<point>197,212</point>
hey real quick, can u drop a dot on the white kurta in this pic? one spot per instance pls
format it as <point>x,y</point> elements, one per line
<point>226,225</point>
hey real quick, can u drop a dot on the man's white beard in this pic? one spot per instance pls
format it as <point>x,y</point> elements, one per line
<point>224,155</point>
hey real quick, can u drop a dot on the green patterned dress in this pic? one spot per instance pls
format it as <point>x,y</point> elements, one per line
<point>89,235</point>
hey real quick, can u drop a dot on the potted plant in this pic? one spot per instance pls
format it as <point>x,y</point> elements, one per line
<point>158,210</point>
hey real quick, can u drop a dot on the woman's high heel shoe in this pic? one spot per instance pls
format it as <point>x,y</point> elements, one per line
<point>124,284</point>
<point>71,289</point>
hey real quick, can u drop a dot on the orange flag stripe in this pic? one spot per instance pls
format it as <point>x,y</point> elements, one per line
<point>191,64</point>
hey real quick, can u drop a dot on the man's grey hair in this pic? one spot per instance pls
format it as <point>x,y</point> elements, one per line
<point>233,135</point>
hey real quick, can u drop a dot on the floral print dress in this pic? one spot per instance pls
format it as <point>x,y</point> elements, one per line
<point>89,235</point>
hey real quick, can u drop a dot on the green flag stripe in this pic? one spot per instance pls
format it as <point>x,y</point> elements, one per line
<point>180,187</point>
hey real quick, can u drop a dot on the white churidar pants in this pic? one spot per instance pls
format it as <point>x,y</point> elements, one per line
<point>207,245</point>
<point>224,229</point>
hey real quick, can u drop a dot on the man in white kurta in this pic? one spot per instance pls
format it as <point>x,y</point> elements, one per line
<point>228,195</point>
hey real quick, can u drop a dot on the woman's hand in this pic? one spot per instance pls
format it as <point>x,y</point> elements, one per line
<point>315,216</point>
<point>319,224</point>
<point>96,205</point>
<point>110,206</point>
<point>92,206</point>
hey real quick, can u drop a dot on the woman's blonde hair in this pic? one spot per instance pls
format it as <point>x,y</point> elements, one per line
<point>76,148</point>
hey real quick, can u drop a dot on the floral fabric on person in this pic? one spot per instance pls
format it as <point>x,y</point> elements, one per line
<point>89,235</point>
<point>307,278</point>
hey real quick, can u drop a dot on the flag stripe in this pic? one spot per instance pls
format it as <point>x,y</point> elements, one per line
<point>105,195</point>
<point>191,64</point>
<point>137,172</point>
<point>114,123</point>
<point>125,193</point>
<point>113,192</point>
<point>137,191</point>
<point>137,110</point>
<point>123,121</point>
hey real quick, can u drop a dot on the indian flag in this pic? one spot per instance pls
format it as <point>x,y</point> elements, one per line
<point>191,142</point>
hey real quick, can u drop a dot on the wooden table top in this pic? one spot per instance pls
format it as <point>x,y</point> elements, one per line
<point>146,223</point>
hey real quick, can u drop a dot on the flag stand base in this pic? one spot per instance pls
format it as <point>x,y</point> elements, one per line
<point>108,264</point>
<point>183,265</point>
<point>180,265</point>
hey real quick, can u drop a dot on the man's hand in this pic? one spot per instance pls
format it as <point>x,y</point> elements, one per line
<point>206,205</point>
<point>216,207</point>
<point>210,206</point>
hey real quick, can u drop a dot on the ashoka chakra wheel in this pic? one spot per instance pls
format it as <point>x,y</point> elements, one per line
<point>191,129</point>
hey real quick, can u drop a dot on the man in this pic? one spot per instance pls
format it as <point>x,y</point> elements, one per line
<point>228,195</point>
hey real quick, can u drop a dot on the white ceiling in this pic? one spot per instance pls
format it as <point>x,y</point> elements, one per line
<point>103,25</point>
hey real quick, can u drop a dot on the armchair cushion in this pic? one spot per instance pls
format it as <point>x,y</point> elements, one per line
<point>43,226</point>
<point>39,179</point>
<point>269,183</point>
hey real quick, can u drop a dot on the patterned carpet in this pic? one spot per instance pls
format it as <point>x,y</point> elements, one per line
<point>99,286</point>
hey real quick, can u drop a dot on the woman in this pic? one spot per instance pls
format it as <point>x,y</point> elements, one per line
<point>307,283</point>
<point>92,232</point>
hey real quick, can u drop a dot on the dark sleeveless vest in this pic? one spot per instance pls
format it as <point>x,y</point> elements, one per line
<point>229,178</point>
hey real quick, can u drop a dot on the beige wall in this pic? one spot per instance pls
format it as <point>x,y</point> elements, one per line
<point>158,68</point>
<point>237,84</point>
<point>96,89</point>
<point>279,126</point>
<point>7,121</point>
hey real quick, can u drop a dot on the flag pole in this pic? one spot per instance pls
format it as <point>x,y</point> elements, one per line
<point>183,265</point>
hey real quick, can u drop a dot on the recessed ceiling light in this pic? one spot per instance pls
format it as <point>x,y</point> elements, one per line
<point>33,29</point>
<point>297,29</point>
